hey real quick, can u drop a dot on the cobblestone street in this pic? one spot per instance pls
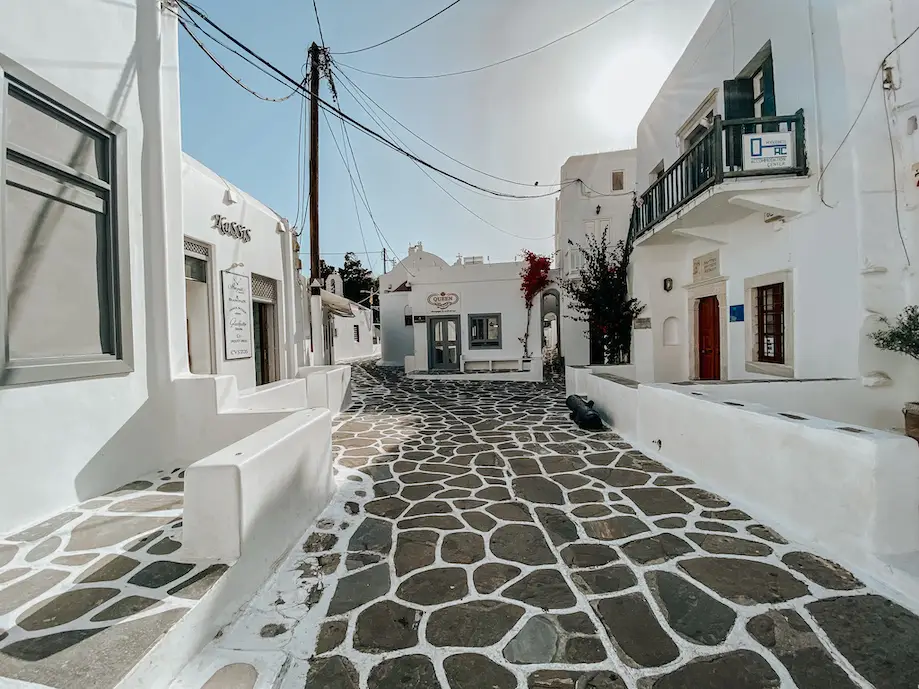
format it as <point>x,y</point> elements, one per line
<point>479,540</point>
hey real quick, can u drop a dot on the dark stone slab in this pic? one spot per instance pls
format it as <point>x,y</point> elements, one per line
<point>467,481</point>
<point>490,577</point>
<point>270,631</point>
<point>358,560</point>
<point>165,546</point>
<point>427,507</point>
<point>624,509</point>
<point>446,522</point>
<point>672,481</point>
<point>382,490</point>
<point>704,498</point>
<point>469,504</point>
<point>736,670</point>
<point>636,460</point>
<point>390,508</point>
<point>766,534</point>
<point>109,568</point>
<point>608,580</point>
<point>331,635</point>
<point>420,492</point>
<point>130,605</point>
<point>160,573</point>
<point>405,672</point>
<point>615,528</point>
<point>416,477</point>
<point>544,588</point>
<point>745,582</point>
<point>821,571</point>
<point>585,495</point>
<point>582,650</point>
<point>635,631</point>
<point>730,515</point>
<point>690,612</point>
<point>570,480</point>
<point>560,528</point>
<point>66,607</point>
<point>511,511</point>
<point>715,526</point>
<point>619,478</point>
<point>521,543</point>
<point>537,642</point>
<point>319,542</point>
<point>728,545</point>
<point>524,466</point>
<point>559,464</point>
<point>538,489</point>
<point>588,555</point>
<point>472,671</point>
<point>378,472</point>
<point>462,548</point>
<point>359,588</point>
<point>576,623</point>
<point>574,679</point>
<point>41,647</point>
<point>479,521</point>
<point>334,672</point>
<point>591,511</point>
<point>794,643</point>
<point>386,626</point>
<point>878,637</point>
<point>655,501</point>
<point>602,459</point>
<point>196,586</point>
<point>434,586</point>
<point>495,493</point>
<point>372,535</point>
<point>475,624</point>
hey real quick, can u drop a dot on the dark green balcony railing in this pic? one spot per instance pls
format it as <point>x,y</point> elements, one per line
<point>712,159</point>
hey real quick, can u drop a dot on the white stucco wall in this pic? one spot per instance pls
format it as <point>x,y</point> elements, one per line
<point>346,348</point>
<point>205,195</point>
<point>576,215</point>
<point>397,339</point>
<point>406,268</point>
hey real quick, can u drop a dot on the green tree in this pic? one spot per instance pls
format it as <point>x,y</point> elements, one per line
<point>358,280</point>
<point>601,296</point>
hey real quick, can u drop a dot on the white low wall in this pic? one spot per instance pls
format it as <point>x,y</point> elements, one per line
<point>327,386</point>
<point>616,404</point>
<point>259,493</point>
<point>285,394</point>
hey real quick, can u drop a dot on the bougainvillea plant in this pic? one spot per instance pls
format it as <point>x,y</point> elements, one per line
<point>534,278</point>
<point>600,296</point>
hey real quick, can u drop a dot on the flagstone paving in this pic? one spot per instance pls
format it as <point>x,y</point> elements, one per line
<point>481,541</point>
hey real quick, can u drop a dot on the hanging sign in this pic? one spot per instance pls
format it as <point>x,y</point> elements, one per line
<point>232,229</point>
<point>444,302</point>
<point>237,325</point>
<point>768,151</point>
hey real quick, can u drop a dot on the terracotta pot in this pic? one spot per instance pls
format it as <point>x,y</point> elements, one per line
<point>911,414</point>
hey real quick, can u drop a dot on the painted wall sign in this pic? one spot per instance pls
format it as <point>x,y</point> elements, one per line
<point>706,267</point>
<point>737,313</point>
<point>768,151</point>
<point>237,324</point>
<point>444,302</point>
<point>420,319</point>
<point>231,229</point>
<point>641,324</point>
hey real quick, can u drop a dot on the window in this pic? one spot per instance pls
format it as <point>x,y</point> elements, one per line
<point>618,180</point>
<point>485,331</point>
<point>64,303</point>
<point>576,260</point>
<point>657,172</point>
<point>357,333</point>
<point>770,324</point>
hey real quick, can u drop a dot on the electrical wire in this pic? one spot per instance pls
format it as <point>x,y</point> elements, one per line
<point>390,40</point>
<point>318,23</point>
<point>429,176</point>
<point>428,143</point>
<point>896,180</point>
<point>325,105</point>
<point>499,62</point>
<point>360,225</point>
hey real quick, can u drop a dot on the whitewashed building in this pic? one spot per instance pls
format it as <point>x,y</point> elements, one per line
<point>598,199</point>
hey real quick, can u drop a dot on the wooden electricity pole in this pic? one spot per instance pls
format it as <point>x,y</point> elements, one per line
<point>314,163</point>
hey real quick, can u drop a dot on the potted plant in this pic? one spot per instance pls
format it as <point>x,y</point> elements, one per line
<point>903,336</point>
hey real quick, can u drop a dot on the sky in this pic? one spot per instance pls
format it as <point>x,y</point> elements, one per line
<point>520,120</point>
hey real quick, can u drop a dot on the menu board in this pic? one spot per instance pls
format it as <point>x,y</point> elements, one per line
<point>237,322</point>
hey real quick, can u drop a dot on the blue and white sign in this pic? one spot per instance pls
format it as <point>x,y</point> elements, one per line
<point>768,151</point>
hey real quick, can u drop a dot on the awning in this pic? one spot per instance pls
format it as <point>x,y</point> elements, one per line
<point>336,304</point>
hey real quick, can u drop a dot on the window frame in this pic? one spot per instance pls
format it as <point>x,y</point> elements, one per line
<point>777,293</point>
<point>54,101</point>
<point>357,333</point>
<point>613,188</point>
<point>485,343</point>
<point>752,360</point>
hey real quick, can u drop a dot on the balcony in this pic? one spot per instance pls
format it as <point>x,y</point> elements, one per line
<point>732,151</point>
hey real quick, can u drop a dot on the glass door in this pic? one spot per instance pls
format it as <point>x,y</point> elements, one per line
<point>443,344</point>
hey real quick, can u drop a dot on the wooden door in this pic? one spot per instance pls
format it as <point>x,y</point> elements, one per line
<point>709,329</point>
<point>443,344</point>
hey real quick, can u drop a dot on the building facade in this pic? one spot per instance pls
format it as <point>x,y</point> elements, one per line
<point>775,225</point>
<point>597,199</point>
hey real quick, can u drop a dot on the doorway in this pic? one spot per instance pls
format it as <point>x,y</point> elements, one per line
<point>443,344</point>
<point>263,321</point>
<point>198,319</point>
<point>709,339</point>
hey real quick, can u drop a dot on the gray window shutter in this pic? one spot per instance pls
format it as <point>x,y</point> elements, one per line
<point>738,104</point>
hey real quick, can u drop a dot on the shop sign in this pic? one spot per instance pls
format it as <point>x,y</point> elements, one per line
<point>444,302</point>
<point>768,151</point>
<point>706,267</point>
<point>232,229</point>
<point>237,323</point>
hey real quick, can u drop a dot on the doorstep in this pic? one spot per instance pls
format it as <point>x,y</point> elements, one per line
<point>89,594</point>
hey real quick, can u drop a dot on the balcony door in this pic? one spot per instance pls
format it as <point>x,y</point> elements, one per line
<point>709,339</point>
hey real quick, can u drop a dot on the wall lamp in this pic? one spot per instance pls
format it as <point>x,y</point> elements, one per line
<point>598,210</point>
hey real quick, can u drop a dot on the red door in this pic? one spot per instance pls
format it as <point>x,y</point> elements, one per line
<point>709,339</point>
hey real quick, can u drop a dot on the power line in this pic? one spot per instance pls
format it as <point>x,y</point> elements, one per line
<point>318,23</point>
<point>354,123</point>
<point>428,143</point>
<point>390,40</point>
<point>429,176</point>
<point>499,62</point>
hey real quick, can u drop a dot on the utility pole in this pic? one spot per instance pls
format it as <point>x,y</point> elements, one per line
<point>314,162</point>
<point>385,266</point>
